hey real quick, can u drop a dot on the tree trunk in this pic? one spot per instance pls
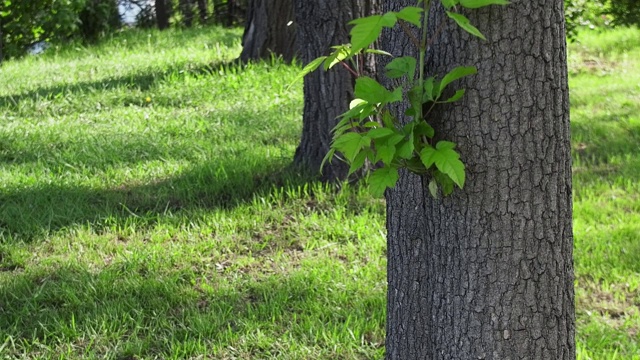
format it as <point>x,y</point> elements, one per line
<point>186,8</point>
<point>269,30</point>
<point>326,93</point>
<point>230,13</point>
<point>487,273</point>
<point>202,10</point>
<point>162,14</point>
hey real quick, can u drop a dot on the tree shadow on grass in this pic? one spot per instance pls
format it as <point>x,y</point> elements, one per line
<point>141,80</point>
<point>31,214</point>
<point>128,310</point>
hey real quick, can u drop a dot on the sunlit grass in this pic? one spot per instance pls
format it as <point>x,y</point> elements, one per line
<point>605,114</point>
<point>147,209</point>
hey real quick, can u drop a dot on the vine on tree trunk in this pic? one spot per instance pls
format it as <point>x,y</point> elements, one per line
<point>360,138</point>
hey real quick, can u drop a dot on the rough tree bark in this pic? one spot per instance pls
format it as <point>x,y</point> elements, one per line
<point>162,14</point>
<point>326,93</point>
<point>269,30</point>
<point>487,272</point>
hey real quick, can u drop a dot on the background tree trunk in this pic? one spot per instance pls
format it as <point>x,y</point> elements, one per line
<point>487,272</point>
<point>269,30</point>
<point>202,11</point>
<point>186,8</point>
<point>162,14</point>
<point>327,94</point>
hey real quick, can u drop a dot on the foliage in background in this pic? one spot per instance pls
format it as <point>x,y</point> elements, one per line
<point>598,14</point>
<point>25,23</point>
<point>203,12</point>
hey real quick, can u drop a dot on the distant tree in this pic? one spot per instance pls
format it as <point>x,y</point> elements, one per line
<point>269,30</point>
<point>326,93</point>
<point>162,13</point>
<point>203,11</point>
<point>186,9</point>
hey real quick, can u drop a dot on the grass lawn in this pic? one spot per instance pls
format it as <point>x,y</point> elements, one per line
<point>147,211</point>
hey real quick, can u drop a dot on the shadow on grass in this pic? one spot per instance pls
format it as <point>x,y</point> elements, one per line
<point>30,214</point>
<point>128,310</point>
<point>142,81</point>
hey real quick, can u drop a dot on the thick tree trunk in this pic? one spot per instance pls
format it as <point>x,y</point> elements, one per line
<point>326,93</point>
<point>202,11</point>
<point>162,14</point>
<point>270,30</point>
<point>487,272</point>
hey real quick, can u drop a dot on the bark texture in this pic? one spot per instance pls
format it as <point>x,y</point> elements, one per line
<point>270,30</point>
<point>487,273</point>
<point>320,25</point>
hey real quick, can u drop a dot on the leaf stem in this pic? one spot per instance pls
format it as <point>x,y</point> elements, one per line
<point>422,50</point>
<point>346,66</point>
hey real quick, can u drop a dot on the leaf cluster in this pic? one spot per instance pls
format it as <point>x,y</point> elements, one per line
<point>369,132</point>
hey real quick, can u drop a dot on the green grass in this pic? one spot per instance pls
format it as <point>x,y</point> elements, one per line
<point>147,210</point>
<point>605,114</point>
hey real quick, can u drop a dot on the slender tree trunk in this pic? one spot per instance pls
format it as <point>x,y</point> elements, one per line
<point>202,11</point>
<point>162,14</point>
<point>231,11</point>
<point>269,30</point>
<point>1,42</point>
<point>487,272</point>
<point>186,8</point>
<point>326,93</point>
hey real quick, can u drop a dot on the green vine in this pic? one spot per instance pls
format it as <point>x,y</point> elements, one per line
<point>369,131</point>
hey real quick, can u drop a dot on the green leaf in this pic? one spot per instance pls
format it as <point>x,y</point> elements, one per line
<point>401,66</point>
<point>367,29</point>
<point>341,52</point>
<point>381,179</point>
<point>372,92</point>
<point>350,144</point>
<point>358,109</point>
<point>385,153</point>
<point>446,160</point>
<point>474,4</point>
<point>377,52</point>
<point>422,128</point>
<point>411,14</point>
<point>455,74</point>
<point>428,90</point>
<point>388,119</point>
<point>449,3</point>
<point>433,188</point>
<point>427,156</point>
<point>310,67</point>
<point>445,145</point>
<point>405,150</point>
<point>358,161</point>
<point>445,182</point>
<point>464,23</point>
<point>327,157</point>
<point>457,96</point>
<point>394,139</point>
<point>380,132</point>
<point>414,95</point>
